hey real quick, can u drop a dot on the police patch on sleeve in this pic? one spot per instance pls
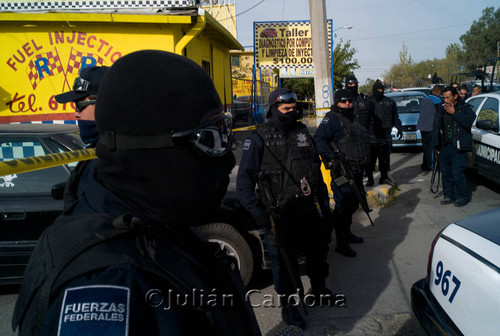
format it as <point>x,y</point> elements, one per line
<point>324,121</point>
<point>91,310</point>
<point>246,146</point>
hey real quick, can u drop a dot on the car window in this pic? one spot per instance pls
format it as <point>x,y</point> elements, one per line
<point>489,111</point>
<point>34,182</point>
<point>57,147</point>
<point>407,104</point>
<point>475,102</point>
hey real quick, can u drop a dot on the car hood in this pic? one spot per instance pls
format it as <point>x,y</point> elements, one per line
<point>484,224</point>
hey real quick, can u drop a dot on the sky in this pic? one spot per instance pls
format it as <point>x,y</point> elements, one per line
<point>379,27</point>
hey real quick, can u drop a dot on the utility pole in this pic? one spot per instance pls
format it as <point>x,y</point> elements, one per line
<point>323,90</point>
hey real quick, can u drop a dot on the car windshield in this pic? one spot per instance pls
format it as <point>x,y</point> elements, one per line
<point>408,104</point>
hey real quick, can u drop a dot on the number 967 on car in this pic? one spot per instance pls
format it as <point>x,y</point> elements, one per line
<point>464,278</point>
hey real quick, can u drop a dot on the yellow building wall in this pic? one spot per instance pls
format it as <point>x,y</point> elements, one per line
<point>42,54</point>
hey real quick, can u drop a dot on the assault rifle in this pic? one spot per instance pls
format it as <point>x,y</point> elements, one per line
<point>348,177</point>
<point>287,253</point>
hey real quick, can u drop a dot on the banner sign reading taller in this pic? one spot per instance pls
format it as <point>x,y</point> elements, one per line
<point>284,44</point>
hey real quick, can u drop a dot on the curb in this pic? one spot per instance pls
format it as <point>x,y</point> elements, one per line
<point>379,196</point>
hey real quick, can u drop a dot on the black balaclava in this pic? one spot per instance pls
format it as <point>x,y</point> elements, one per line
<point>88,132</point>
<point>378,95</point>
<point>149,93</point>
<point>343,93</point>
<point>284,121</point>
<point>349,80</point>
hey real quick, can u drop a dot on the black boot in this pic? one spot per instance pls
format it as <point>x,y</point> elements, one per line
<point>345,250</point>
<point>290,315</point>
<point>319,295</point>
<point>353,239</point>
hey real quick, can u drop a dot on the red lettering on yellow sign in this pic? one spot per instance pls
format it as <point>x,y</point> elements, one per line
<point>19,104</point>
<point>22,54</point>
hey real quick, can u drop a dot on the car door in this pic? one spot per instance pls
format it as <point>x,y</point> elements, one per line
<point>26,205</point>
<point>486,139</point>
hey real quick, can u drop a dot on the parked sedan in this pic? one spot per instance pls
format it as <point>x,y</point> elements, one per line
<point>408,104</point>
<point>461,293</point>
<point>25,199</point>
<point>485,135</point>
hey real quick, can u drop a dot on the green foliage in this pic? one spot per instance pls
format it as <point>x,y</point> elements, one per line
<point>344,62</point>
<point>304,87</point>
<point>480,42</point>
<point>367,87</point>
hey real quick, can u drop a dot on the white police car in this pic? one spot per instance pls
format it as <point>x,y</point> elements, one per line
<point>485,135</point>
<point>461,292</point>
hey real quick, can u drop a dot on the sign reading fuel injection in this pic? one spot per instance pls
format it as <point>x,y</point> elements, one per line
<point>38,65</point>
<point>283,44</point>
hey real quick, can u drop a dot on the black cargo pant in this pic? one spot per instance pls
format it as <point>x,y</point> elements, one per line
<point>303,232</point>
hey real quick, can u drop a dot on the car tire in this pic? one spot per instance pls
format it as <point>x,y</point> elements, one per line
<point>233,243</point>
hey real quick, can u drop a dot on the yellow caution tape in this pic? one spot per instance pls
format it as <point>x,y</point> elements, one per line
<point>45,161</point>
<point>248,128</point>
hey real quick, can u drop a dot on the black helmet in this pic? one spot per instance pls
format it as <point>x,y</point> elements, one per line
<point>280,95</point>
<point>350,79</point>
<point>152,111</point>
<point>342,94</point>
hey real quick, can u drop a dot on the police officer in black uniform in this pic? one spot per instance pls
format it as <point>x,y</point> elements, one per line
<point>385,117</point>
<point>363,109</point>
<point>84,96</point>
<point>340,129</point>
<point>124,260</point>
<point>281,158</point>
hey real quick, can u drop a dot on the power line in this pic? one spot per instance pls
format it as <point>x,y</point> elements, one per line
<point>249,9</point>
<point>414,32</point>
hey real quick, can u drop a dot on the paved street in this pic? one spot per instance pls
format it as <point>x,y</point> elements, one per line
<point>377,282</point>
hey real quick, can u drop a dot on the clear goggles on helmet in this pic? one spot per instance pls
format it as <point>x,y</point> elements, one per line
<point>351,81</point>
<point>287,98</point>
<point>212,138</point>
<point>83,85</point>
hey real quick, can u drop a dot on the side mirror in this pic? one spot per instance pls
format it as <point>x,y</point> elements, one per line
<point>486,125</point>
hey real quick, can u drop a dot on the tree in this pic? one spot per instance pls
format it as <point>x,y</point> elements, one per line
<point>304,87</point>
<point>344,62</point>
<point>480,42</point>
<point>402,74</point>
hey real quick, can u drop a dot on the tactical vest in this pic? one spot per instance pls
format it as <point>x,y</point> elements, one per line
<point>75,246</point>
<point>362,110</point>
<point>383,112</point>
<point>287,160</point>
<point>353,143</point>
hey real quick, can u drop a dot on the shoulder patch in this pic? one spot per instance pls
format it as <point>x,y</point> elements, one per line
<point>246,146</point>
<point>325,120</point>
<point>97,309</point>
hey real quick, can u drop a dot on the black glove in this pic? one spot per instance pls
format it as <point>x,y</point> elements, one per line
<point>400,133</point>
<point>263,222</point>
